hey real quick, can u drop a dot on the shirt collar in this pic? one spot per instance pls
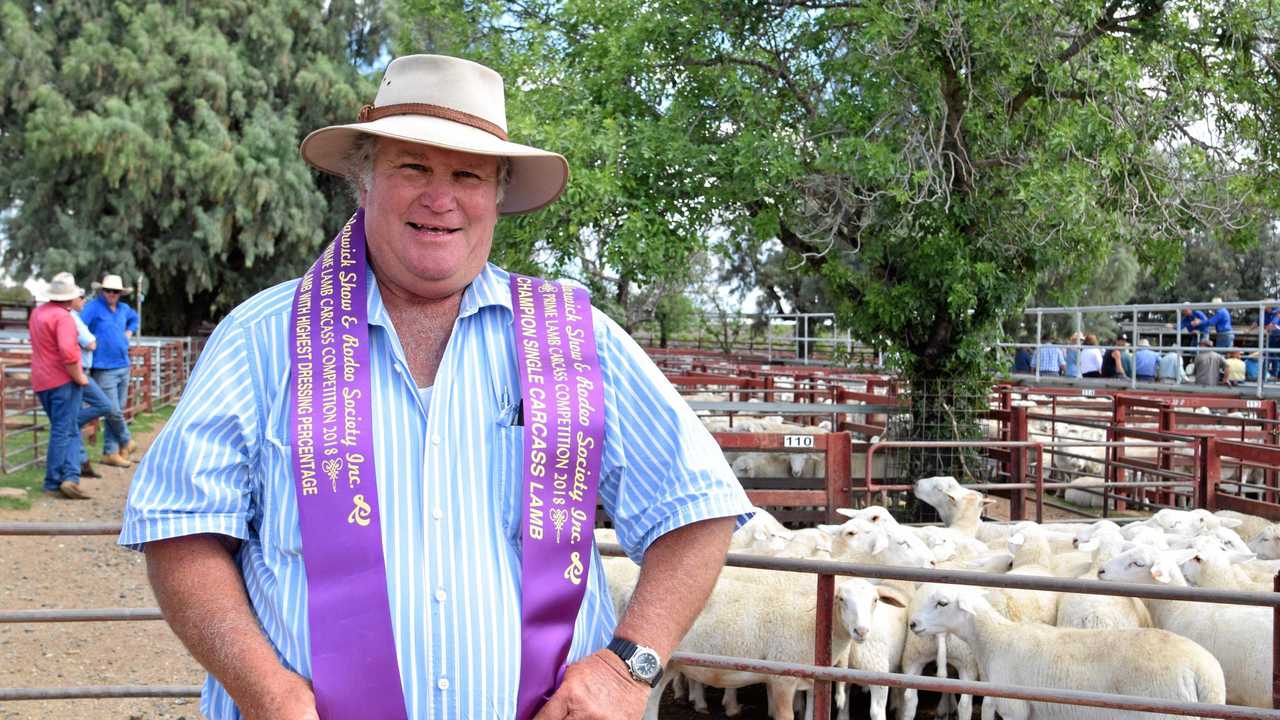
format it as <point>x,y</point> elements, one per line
<point>490,287</point>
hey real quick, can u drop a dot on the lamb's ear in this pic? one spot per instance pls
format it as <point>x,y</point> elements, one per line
<point>1088,545</point>
<point>1231,522</point>
<point>847,512</point>
<point>967,602</point>
<point>1162,570</point>
<point>892,596</point>
<point>988,500</point>
<point>1239,556</point>
<point>830,529</point>
<point>1017,539</point>
<point>880,544</point>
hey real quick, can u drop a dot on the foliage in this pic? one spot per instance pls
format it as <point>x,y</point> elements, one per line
<point>161,139</point>
<point>16,295</point>
<point>931,162</point>
<point>1213,268</point>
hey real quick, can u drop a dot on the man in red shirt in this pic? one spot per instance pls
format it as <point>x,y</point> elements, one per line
<point>59,380</point>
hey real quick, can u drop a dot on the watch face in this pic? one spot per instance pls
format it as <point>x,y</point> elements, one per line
<point>645,664</point>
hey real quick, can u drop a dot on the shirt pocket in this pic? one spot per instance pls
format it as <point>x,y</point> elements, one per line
<point>506,461</point>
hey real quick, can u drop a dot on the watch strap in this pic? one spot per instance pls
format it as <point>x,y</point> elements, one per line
<point>623,648</point>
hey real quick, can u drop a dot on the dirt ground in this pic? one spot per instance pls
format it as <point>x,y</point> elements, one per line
<point>85,572</point>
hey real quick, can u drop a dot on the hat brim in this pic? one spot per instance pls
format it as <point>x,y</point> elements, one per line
<point>100,286</point>
<point>538,177</point>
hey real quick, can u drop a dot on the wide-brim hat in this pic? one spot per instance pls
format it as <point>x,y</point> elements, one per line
<point>63,287</point>
<point>449,103</point>
<point>112,282</point>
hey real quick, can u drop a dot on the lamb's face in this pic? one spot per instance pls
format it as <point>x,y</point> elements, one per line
<point>943,611</point>
<point>1145,565</point>
<point>1267,543</point>
<point>856,602</point>
<point>933,490</point>
<point>1085,535</point>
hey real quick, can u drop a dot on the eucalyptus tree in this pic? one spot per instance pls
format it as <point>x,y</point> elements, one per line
<point>161,139</point>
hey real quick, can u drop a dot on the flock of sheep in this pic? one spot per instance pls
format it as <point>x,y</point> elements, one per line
<point>1171,650</point>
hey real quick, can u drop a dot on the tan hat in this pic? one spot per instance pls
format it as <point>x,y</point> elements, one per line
<point>112,282</point>
<point>450,103</point>
<point>63,287</point>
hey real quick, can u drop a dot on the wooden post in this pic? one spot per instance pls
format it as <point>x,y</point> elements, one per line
<point>1017,462</point>
<point>822,645</point>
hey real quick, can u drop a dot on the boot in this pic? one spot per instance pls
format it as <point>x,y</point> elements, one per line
<point>87,470</point>
<point>115,459</point>
<point>129,449</point>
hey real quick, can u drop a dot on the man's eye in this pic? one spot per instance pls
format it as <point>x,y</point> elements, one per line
<point>414,166</point>
<point>466,175</point>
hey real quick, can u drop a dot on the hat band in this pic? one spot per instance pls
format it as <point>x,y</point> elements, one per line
<point>369,113</point>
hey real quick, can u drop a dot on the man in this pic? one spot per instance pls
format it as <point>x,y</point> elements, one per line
<point>1223,335</point>
<point>215,501</point>
<point>1194,325</point>
<point>96,404</point>
<point>1170,368</point>
<point>1050,360</point>
<point>1145,361</point>
<point>113,323</point>
<point>1208,366</point>
<point>1273,341</point>
<point>58,381</point>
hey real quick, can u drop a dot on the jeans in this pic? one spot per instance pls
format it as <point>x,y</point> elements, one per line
<point>1224,339</point>
<point>1273,361</point>
<point>115,385</point>
<point>62,462</point>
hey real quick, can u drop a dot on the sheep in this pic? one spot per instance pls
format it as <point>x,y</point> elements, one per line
<point>1140,661</point>
<point>1230,632</point>
<point>1080,610</point>
<point>730,625</point>
<point>877,617</point>
<point>1250,525</point>
<point>1212,567</point>
<point>1266,543</point>
<point>1031,556</point>
<point>919,651</point>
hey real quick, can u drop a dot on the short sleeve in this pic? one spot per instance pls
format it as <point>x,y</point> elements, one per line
<point>196,477</point>
<point>662,468</point>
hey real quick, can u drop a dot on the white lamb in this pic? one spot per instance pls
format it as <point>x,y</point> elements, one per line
<point>1230,632</point>
<point>1250,525</point>
<point>1266,543</point>
<point>1081,610</point>
<point>1145,662</point>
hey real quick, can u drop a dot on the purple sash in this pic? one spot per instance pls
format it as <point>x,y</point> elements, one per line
<point>561,387</point>
<point>353,655</point>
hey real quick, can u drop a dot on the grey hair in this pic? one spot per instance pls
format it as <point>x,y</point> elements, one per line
<point>359,167</point>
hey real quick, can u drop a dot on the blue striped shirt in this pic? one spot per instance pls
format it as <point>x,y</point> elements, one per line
<point>448,484</point>
<point>1050,359</point>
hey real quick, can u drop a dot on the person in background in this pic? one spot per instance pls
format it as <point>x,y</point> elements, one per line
<point>1170,368</point>
<point>1209,365</point>
<point>1091,358</point>
<point>1050,360</point>
<point>113,323</point>
<point>1022,358</point>
<point>1224,336</point>
<point>1273,342</point>
<point>1073,354</point>
<point>1113,365</point>
<point>1234,371</point>
<point>1194,326</point>
<point>58,381</point>
<point>95,401</point>
<point>1145,361</point>
<point>1252,364</point>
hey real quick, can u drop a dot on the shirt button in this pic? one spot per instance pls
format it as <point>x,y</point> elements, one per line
<point>437,513</point>
<point>435,439</point>
<point>443,684</point>
<point>440,595</point>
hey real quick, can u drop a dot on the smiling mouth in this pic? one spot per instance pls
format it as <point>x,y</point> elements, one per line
<point>433,229</point>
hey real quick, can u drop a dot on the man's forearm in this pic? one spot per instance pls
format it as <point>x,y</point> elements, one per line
<point>678,573</point>
<point>201,593</point>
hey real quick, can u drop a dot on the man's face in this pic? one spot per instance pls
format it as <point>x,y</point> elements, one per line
<point>429,217</point>
<point>77,304</point>
<point>112,296</point>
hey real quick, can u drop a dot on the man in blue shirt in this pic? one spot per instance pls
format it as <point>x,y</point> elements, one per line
<point>1050,360</point>
<point>1273,341</point>
<point>1145,361</point>
<point>213,502</point>
<point>113,323</point>
<point>1195,326</point>
<point>1223,336</point>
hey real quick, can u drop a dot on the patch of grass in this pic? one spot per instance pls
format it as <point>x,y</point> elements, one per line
<point>31,478</point>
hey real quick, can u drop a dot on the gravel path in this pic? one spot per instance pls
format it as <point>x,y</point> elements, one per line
<point>85,572</point>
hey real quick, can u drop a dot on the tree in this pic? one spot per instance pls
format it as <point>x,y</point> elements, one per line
<point>1212,268</point>
<point>161,139</point>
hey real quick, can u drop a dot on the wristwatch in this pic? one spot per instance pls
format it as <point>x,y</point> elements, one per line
<point>643,662</point>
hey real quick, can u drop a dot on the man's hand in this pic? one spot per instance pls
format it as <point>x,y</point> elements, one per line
<point>597,686</point>
<point>290,698</point>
